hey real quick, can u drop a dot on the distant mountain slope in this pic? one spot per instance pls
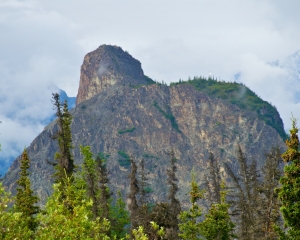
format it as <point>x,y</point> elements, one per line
<point>131,115</point>
<point>240,95</point>
<point>5,161</point>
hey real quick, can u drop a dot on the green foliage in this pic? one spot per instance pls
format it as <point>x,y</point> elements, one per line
<point>70,217</point>
<point>170,117</point>
<point>125,161</point>
<point>239,95</point>
<point>217,223</point>
<point>190,225</point>
<point>289,192</point>
<point>148,189</point>
<point>139,232</point>
<point>90,178</point>
<point>127,130</point>
<point>13,225</point>
<point>120,218</point>
<point>65,161</point>
<point>175,207</point>
<point>103,156</point>
<point>146,155</point>
<point>25,200</point>
<point>149,80</point>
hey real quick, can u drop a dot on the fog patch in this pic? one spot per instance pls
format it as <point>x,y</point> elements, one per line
<point>103,68</point>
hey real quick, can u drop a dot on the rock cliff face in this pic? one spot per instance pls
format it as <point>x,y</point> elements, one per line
<point>105,67</point>
<point>147,122</point>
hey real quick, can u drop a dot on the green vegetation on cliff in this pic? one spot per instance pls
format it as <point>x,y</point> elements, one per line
<point>240,95</point>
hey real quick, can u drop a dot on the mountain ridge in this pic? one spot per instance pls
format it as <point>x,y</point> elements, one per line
<point>147,121</point>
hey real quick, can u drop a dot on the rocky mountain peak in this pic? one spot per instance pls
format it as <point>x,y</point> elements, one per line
<point>105,67</point>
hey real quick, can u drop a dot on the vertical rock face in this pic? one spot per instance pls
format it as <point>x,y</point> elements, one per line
<point>105,67</point>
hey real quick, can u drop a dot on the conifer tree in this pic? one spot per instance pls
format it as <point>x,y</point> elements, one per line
<point>120,218</point>
<point>74,221</point>
<point>245,199</point>
<point>105,194</point>
<point>134,190</point>
<point>90,177</point>
<point>144,214</point>
<point>213,180</point>
<point>289,192</point>
<point>190,227</point>
<point>13,225</point>
<point>143,184</point>
<point>217,224</point>
<point>25,199</point>
<point>269,204</point>
<point>65,162</point>
<point>172,232</point>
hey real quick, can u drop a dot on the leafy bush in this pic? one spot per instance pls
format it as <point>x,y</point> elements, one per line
<point>126,130</point>
<point>167,116</point>
<point>125,160</point>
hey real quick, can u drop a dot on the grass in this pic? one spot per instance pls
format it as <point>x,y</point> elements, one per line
<point>125,160</point>
<point>240,95</point>
<point>167,116</point>
<point>127,130</point>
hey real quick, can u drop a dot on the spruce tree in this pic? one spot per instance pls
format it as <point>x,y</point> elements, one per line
<point>217,224</point>
<point>289,192</point>
<point>190,226</point>
<point>74,221</point>
<point>144,214</point>
<point>25,199</point>
<point>120,218</point>
<point>105,194</point>
<point>172,232</point>
<point>134,190</point>
<point>90,177</point>
<point>13,225</point>
<point>143,184</point>
<point>213,180</point>
<point>245,198</point>
<point>65,161</point>
<point>269,204</point>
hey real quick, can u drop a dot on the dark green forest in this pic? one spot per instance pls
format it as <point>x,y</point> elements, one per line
<point>252,203</point>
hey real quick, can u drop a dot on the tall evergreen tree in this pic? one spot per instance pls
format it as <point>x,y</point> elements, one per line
<point>245,199</point>
<point>74,221</point>
<point>269,203</point>
<point>13,225</point>
<point>190,226</point>
<point>213,180</point>
<point>105,194</point>
<point>134,190</point>
<point>65,161</point>
<point>143,184</point>
<point>90,177</point>
<point>289,192</point>
<point>120,218</point>
<point>25,199</point>
<point>217,224</point>
<point>172,232</point>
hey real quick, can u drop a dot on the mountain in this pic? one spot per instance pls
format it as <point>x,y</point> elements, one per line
<point>121,112</point>
<point>8,158</point>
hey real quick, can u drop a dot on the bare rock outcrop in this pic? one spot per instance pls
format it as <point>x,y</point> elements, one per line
<point>106,66</point>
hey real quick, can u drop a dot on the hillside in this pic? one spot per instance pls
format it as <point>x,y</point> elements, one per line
<point>119,115</point>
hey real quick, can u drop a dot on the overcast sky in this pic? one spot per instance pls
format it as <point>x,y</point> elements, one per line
<point>44,42</point>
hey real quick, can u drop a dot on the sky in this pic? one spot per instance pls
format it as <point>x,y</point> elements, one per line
<point>43,43</point>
